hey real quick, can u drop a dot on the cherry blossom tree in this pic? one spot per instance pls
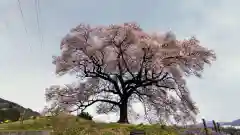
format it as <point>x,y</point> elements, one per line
<point>122,64</point>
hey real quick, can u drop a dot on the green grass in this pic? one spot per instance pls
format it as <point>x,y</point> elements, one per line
<point>71,125</point>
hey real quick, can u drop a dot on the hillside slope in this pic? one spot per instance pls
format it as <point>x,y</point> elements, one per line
<point>5,104</point>
<point>235,123</point>
<point>72,125</point>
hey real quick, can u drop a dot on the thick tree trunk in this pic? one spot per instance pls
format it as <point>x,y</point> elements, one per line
<point>123,113</point>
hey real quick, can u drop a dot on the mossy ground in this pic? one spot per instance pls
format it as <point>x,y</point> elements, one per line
<point>70,125</point>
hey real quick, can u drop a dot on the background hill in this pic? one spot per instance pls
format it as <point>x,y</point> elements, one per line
<point>235,122</point>
<point>8,105</point>
<point>210,124</point>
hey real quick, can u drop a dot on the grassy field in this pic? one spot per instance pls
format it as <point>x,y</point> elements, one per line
<point>71,125</point>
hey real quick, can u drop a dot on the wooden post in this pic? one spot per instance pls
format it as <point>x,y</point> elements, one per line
<point>22,116</point>
<point>219,127</point>
<point>215,126</point>
<point>205,126</point>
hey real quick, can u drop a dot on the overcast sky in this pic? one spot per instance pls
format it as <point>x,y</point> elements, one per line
<point>26,68</point>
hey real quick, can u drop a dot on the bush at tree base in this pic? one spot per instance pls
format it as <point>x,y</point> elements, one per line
<point>85,115</point>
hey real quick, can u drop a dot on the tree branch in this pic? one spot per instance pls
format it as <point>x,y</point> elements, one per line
<point>97,72</point>
<point>93,102</point>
